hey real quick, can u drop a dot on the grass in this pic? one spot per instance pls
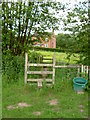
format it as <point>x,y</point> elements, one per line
<point>61,57</point>
<point>68,105</point>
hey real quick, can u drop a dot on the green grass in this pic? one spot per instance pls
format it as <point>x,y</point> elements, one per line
<point>61,57</point>
<point>68,105</point>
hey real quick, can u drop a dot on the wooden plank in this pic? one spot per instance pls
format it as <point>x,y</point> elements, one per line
<point>26,61</point>
<point>39,72</point>
<point>34,64</point>
<point>53,76</point>
<point>87,69</point>
<point>39,84</point>
<point>65,66</point>
<point>82,68</point>
<point>35,80</point>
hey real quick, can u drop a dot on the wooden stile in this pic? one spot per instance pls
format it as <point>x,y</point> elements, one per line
<point>39,81</point>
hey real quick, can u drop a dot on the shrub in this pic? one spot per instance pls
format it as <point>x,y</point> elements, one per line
<point>12,66</point>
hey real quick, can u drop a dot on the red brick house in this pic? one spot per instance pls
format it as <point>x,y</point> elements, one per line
<point>49,42</point>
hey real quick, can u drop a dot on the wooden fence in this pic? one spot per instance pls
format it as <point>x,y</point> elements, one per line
<point>80,69</point>
<point>38,80</point>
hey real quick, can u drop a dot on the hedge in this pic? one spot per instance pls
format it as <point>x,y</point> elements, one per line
<point>56,49</point>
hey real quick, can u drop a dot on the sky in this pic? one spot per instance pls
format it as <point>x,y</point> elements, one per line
<point>71,6</point>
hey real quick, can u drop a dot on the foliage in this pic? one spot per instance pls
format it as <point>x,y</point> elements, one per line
<point>35,57</point>
<point>12,66</point>
<point>49,49</point>
<point>64,41</point>
<point>77,24</point>
<point>22,20</point>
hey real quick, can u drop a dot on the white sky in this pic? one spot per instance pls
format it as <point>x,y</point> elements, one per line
<point>71,6</point>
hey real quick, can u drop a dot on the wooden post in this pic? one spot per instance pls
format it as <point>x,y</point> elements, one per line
<point>26,62</point>
<point>78,71</point>
<point>88,72</point>
<point>87,69</point>
<point>82,68</point>
<point>53,77</point>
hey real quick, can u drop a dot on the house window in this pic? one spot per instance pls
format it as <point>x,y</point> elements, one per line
<point>46,42</point>
<point>46,45</point>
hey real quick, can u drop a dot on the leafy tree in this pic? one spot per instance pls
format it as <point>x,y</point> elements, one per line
<point>21,20</point>
<point>77,24</point>
<point>64,41</point>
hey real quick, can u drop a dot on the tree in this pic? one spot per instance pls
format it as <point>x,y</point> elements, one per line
<point>21,20</point>
<point>77,24</point>
<point>64,41</point>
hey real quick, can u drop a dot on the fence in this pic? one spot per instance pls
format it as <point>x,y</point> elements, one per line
<point>44,72</point>
<point>80,69</point>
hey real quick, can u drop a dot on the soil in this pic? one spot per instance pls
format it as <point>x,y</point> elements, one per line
<point>53,102</point>
<point>37,113</point>
<point>11,107</point>
<point>81,110</point>
<point>80,92</point>
<point>23,105</point>
<point>81,106</point>
<point>19,105</point>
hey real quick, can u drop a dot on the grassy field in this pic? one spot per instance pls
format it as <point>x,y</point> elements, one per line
<point>60,56</point>
<point>60,101</point>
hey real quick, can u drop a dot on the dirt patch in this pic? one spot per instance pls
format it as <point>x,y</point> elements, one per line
<point>37,113</point>
<point>53,102</point>
<point>11,107</point>
<point>80,92</point>
<point>19,105</point>
<point>23,105</point>
<point>81,106</point>
<point>81,110</point>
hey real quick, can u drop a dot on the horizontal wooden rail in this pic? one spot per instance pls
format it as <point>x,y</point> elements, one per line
<point>34,64</point>
<point>46,62</point>
<point>39,72</point>
<point>66,66</point>
<point>36,80</point>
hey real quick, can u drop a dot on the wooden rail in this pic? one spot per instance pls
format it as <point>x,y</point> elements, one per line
<point>39,72</point>
<point>36,80</point>
<point>38,64</point>
<point>66,66</point>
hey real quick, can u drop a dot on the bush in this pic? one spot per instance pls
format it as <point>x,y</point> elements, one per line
<point>12,66</point>
<point>57,49</point>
